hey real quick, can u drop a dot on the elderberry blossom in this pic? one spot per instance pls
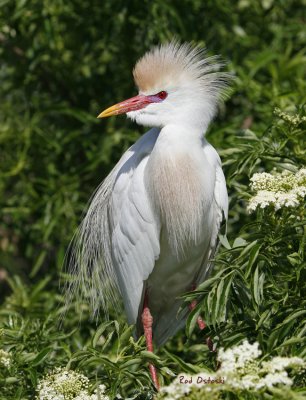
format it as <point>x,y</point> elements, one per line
<point>5,359</point>
<point>278,190</point>
<point>294,120</point>
<point>238,357</point>
<point>68,385</point>
<point>281,363</point>
<point>241,371</point>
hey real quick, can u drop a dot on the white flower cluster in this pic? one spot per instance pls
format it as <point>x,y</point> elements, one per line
<point>279,190</point>
<point>294,120</point>
<point>238,357</point>
<point>281,363</point>
<point>184,384</point>
<point>240,370</point>
<point>5,359</point>
<point>239,365</point>
<point>243,370</point>
<point>174,391</point>
<point>68,385</point>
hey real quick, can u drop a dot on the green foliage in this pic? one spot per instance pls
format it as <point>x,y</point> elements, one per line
<point>259,288</point>
<point>61,63</point>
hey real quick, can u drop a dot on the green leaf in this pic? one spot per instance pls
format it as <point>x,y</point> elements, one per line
<point>192,319</point>
<point>184,366</point>
<point>252,258</point>
<point>99,332</point>
<point>149,355</point>
<point>292,317</point>
<point>40,357</point>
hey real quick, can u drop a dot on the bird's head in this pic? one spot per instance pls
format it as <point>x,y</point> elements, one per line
<point>177,85</point>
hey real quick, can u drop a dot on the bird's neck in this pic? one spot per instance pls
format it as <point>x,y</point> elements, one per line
<point>179,138</point>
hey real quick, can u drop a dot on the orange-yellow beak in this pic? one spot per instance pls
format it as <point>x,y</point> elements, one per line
<point>132,104</point>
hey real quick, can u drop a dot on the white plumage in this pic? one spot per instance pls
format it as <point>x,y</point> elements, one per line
<point>152,225</point>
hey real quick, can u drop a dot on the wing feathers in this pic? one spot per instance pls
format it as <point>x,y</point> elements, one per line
<point>110,252</point>
<point>135,238</point>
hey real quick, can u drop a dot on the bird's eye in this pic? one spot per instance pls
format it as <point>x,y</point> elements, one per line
<point>162,95</point>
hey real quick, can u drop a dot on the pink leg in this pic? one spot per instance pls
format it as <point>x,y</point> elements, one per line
<point>147,321</point>
<point>201,323</point>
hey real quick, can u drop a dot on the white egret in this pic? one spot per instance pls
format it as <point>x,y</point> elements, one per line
<point>152,226</point>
